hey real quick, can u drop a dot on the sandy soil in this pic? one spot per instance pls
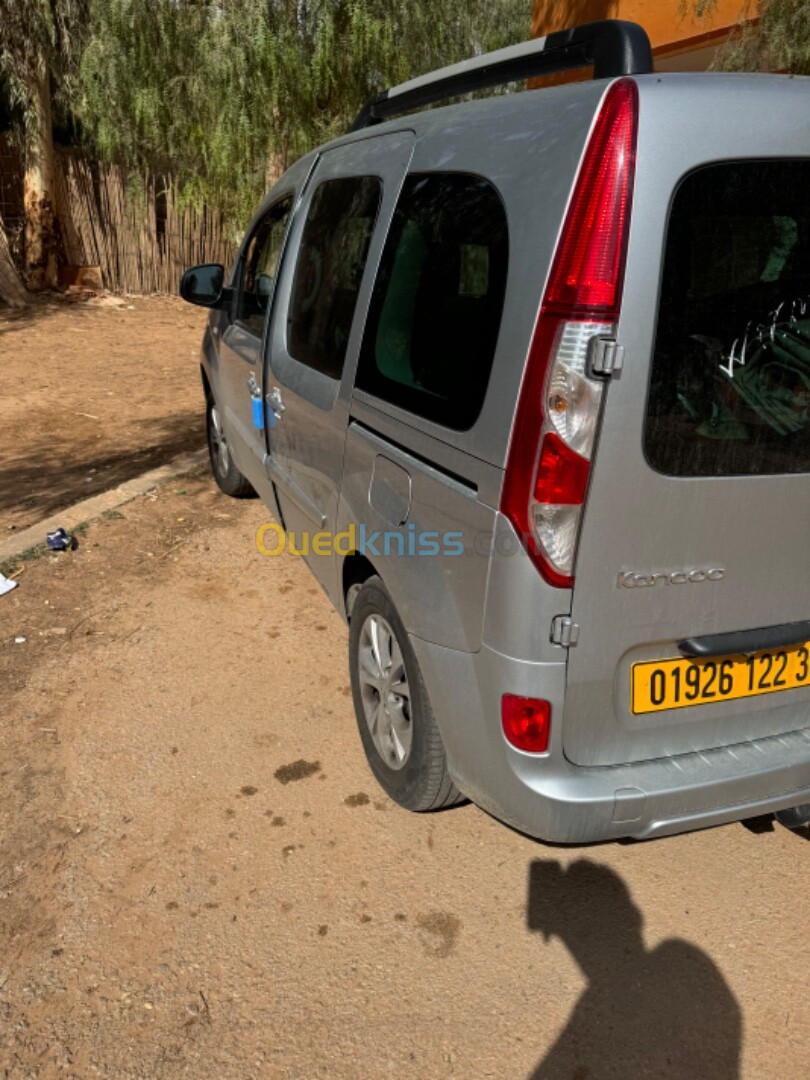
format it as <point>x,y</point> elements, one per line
<point>199,877</point>
<point>93,393</point>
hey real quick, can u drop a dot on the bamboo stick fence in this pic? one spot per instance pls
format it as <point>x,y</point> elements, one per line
<point>143,241</point>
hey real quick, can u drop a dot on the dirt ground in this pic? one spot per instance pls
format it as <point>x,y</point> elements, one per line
<point>200,878</point>
<point>93,393</point>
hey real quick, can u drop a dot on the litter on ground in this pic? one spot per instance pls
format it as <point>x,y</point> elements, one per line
<point>59,540</point>
<point>6,585</point>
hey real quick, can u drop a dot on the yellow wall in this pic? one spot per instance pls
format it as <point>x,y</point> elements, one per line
<point>678,41</point>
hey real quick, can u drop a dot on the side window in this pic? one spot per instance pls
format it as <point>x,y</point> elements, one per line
<point>331,260</point>
<point>259,266</point>
<point>436,309</point>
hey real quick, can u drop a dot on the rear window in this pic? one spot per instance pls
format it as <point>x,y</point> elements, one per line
<point>436,309</point>
<point>730,384</point>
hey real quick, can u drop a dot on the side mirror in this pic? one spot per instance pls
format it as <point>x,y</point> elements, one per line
<point>202,285</point>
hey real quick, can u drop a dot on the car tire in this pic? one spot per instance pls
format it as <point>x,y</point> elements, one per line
<point>228,477</point>
<point>394,717</point>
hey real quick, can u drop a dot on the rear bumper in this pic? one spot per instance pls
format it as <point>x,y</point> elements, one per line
<point>548,797</point>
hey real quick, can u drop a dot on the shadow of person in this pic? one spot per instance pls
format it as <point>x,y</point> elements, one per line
<point>664,1013</point>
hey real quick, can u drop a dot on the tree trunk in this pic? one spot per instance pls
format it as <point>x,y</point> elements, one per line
<point>12,290</point>
<point>38,189</point>
<point>274,169</point>
<point>277,155</point>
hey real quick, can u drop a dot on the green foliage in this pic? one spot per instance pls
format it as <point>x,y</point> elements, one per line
<point>784,36</point>
<point>39,38</point>
<point>224,95</point>
<point>779,41</point>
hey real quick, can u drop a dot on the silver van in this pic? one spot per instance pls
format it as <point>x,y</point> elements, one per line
<point>526,380</point>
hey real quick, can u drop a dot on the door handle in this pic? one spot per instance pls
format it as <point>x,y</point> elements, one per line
<point>746,641</point>
<point>276,402</point>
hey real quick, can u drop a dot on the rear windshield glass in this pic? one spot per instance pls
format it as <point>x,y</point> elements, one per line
<point>730,384</point>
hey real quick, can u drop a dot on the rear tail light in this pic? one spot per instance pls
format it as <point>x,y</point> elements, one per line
<point>560,402</point>
<point>526,723</point>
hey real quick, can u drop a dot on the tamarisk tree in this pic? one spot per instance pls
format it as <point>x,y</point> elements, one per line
<point>773,35</point>
<point>223,95</point>
<point>39,46</point>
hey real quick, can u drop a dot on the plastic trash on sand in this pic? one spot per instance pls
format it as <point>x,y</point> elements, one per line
<point>6,585</point>
<point>59,540</point>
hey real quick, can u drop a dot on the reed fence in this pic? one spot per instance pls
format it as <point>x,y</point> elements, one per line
<point>137,233</point>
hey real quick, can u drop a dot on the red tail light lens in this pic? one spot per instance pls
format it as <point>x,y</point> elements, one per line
<point>589,264</point>
<point>562,475</point>
<point>526,723</point>
<point>558,410</point>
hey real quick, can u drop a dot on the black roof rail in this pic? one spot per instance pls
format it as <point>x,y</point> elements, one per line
<point>613,46</point>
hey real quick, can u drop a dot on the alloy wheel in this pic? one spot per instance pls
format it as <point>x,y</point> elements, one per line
<point>385,692</point>
<point>219,444</point>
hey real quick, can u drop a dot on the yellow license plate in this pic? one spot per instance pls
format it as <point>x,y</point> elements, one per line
<point>678,684</point>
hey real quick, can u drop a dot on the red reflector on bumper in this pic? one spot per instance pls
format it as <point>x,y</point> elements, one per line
<point>526,722</point>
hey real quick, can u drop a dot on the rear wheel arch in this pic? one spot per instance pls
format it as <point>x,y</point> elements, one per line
<point>357,569</point>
